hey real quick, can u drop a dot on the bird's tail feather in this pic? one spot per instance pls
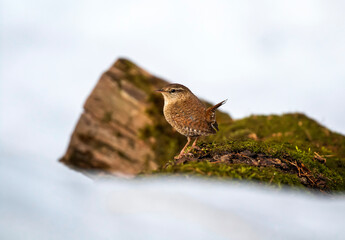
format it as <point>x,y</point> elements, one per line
<point>214,108</point>
<point>210,113</point>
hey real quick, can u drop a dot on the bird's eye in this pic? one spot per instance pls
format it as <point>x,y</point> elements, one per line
<point>172,90</point>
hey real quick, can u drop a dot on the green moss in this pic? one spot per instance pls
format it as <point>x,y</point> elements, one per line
<point>291,130</point>
<point>125,64</point>
<point>266,175</point>
<point>281,164</point>
<point>135,75</point>
<point>283,151</point>
<point>140,81</point>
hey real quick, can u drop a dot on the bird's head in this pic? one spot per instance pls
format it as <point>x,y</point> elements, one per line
<point>175,92</point>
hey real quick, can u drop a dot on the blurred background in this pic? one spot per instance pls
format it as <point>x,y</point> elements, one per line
<point>265,57</point>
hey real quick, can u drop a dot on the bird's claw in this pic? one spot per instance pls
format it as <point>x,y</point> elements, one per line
<point>195,147</point>
<point>183,155</point>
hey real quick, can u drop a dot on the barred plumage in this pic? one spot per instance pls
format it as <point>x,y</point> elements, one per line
<point>187,114</point>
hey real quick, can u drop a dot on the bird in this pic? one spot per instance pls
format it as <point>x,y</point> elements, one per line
<point>188,115</point>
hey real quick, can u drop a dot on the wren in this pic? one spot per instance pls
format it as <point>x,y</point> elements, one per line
<point>187,114</point>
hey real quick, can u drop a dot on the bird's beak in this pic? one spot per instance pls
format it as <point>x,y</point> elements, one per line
<point>159,90</point>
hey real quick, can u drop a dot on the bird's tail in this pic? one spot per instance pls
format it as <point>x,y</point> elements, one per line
<point>214,108</point>
<point>211,114</point>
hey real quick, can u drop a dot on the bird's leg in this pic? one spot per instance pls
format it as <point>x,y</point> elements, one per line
<point>183,149</point>
<point>194,143</point>
<point>194,146</point>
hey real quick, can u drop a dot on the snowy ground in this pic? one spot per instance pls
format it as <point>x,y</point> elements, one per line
<point>46,200</point>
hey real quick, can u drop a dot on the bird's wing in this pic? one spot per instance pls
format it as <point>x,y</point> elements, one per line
<point>192,118</point>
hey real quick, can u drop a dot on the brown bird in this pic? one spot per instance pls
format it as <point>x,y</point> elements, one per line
<point>187,114</point>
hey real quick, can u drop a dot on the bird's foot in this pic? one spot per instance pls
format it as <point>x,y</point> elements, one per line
<point>181,155</point>
<point>195,147</point>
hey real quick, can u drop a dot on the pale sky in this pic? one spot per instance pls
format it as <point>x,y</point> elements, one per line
<point>264,56</point>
